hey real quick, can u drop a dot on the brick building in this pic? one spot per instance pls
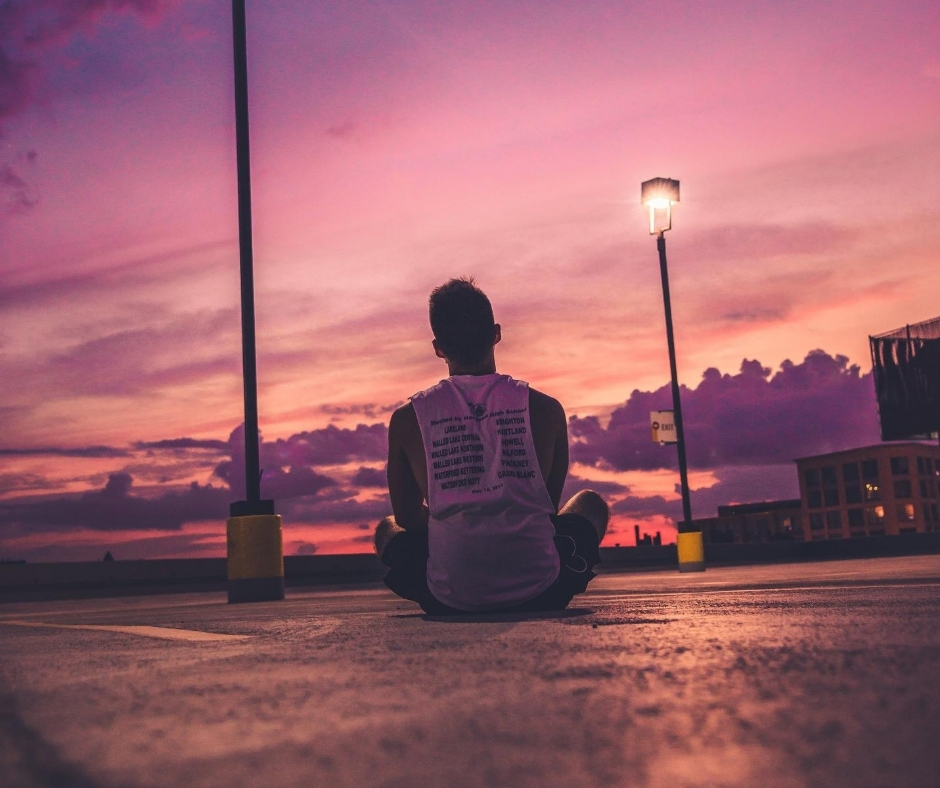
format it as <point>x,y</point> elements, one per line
<point>768,521</point>
<point>880,490</point>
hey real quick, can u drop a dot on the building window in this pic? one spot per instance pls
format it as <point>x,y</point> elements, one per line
<point>923,488</point>
<point>921,466</point>
<point>902,488</point>
<point>856,518</point>
<point>811,475</point>
<point>932,486</point>
<point>899,466</point>
<point>816,521</point>
<point>834,521</point>
<point>831,496</point>
<point>905,512</point>
<point>869,469</point>
<point>814,499</point>
<point>853,493</point>
<point>850,472</point>
<point>875,515</point>
<point>929,463</point>
<point>927,517</point>
<point>829,475</point>
<point>872,491</point>
<point>933,512</point>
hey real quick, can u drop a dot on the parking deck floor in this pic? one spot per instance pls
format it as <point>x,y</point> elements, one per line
<point>822,674</point>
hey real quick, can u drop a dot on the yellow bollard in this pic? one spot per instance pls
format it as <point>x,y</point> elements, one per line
<point>691,552</point>
<point>255,558</point>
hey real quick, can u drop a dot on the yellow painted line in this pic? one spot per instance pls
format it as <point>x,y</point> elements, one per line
<point>163,633</point>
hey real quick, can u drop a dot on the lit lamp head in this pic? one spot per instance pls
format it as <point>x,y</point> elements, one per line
<point>658,195</point>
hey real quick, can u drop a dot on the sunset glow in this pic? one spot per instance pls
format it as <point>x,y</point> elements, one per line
<point>400,143</point>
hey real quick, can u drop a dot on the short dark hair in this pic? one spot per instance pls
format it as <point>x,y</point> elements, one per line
<point>462,320</point>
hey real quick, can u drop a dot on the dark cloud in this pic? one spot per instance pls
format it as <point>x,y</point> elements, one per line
<point>302,548</point>
<point>751,484</point>
<point>116,508</point>
<point>286,463</point>
<point>295,482</point>
<point>57,451</point>
<point>746,484</point>
<point>341,510</point>
<point>183,444</point>
<point>16,194</point>
<point>752,418</point>
<point>367,410</point>
<point>369,477</point>
<point>606,489</point>
<point>328,446</point>
<point>639,508</point>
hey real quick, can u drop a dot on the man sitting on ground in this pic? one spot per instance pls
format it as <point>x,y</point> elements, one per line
<point>476,466</point>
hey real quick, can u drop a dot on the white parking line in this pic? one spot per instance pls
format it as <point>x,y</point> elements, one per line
<point>163,633</point>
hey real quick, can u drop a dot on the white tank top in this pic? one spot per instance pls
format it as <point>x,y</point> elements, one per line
<point>490,535</point>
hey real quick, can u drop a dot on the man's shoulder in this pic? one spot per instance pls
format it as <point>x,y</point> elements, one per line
<point>404,415</point>
<point>546,415</point>
<point>543,405</point>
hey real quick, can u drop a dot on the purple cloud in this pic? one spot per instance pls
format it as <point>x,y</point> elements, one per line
<point>329,446</point>
<point>183,444</point>
<point>606,489</point>
<point>752,418</point>
<point>369,477</point>
<point>83,452</point>
<point>16,195</point>
<point>115,508</point>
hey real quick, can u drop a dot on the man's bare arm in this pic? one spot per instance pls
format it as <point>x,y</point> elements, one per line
<point>404,489</point>
<point>550,434</point>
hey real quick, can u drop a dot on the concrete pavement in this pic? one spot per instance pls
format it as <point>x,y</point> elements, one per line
<point>818,674</point>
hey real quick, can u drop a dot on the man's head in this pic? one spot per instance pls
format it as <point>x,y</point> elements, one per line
<point>462,323</point>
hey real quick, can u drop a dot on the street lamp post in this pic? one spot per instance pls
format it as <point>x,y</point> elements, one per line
<point>659,195</point>
<point>254,538</point>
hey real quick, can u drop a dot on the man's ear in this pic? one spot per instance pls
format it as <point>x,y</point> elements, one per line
<point>437,351</point>
<point>497,334</point>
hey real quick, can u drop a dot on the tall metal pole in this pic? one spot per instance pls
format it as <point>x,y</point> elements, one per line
<point>686,524</point>
<point>250,375</point>
<point>255,541</point>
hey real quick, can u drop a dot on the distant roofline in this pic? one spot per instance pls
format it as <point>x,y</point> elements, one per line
<point>759,507</point>
<point>928,443</point>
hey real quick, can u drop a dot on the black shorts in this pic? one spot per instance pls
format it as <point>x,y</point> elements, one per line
<point>406,555</point>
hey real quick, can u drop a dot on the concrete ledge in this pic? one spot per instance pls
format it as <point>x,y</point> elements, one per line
<point>25,581</point>
<point>638,558</point>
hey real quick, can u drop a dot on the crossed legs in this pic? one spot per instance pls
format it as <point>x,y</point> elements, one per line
<point>586,503</point>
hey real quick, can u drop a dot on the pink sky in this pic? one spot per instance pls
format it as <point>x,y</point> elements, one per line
<point>397,144</point>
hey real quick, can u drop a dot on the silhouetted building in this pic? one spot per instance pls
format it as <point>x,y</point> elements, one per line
<point>887,489</point>
<point>646,540</point>
<point>767,521</point>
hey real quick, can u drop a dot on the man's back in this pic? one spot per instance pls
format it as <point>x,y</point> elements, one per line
<point>476,467</point>
<point>490,534</point>
<point>407,463</point>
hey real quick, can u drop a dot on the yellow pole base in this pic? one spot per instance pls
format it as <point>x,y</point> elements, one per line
<point>691,552</point>
<point>255,558</point>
